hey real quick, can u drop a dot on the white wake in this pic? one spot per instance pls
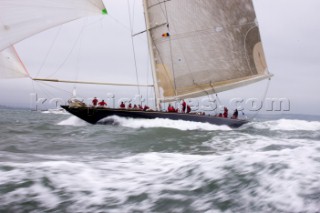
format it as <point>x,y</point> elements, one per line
<point>164,123</point>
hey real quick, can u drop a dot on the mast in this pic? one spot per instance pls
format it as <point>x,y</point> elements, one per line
<point>153,65</point>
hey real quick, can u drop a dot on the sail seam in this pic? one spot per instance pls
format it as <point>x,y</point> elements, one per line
<point>158,3</point>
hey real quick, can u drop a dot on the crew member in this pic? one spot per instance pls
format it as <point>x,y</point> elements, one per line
<point>95,101</point>
<point>225,112</point>
<point>102,103</point>
<point>188,109</point>
<point>235,114</point>
<point>145,108</point>
<point>171,108</point>
<point>122,106</point>
<point>184,106</point>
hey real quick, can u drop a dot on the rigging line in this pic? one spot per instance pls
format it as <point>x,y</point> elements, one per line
<point>70,52</point>
<point>263,98</point>
<point>205,91</point>
<point>33,88</point>
<point>44,90</point>
<point>133,48</point>
<point>171,52</point>
<point>50,50</point>
<point>217,97</point>
<point>148,66</point>
<point>133,14</point>
<point>55,87</point>
<point>214,92</point>
<point>183,55</point>
<point>157,3</point>
<point>77,67</point>
<point>125,27</point>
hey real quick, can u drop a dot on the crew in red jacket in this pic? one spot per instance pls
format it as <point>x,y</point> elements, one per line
<point>122,106</point>
<point>171,108</point>
<point>102,103</point>
<point>184,106</point>
<point>225,112</point>
<point>95,101</point>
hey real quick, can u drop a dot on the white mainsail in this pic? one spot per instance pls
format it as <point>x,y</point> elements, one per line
<point>204,47</point>
<point>20,19</point>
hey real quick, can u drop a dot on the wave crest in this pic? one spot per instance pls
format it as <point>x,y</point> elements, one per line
<point>72,121</point>
<point>288,125</point>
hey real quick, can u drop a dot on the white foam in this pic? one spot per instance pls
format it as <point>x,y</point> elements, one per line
<point>166,123</point>
<point>72,121</point>
<point>56,112</point>
<point>288,125</point>
<point>279,177</point>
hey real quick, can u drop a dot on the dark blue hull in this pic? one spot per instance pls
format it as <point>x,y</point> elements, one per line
<point>93,115</point>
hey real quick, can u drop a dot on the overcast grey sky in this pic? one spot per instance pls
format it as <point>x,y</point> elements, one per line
<point>290,31</point>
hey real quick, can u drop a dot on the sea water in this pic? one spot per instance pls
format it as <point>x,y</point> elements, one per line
<point>58,163</point>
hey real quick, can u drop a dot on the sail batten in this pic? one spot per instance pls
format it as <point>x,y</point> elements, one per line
<point>207,42</point>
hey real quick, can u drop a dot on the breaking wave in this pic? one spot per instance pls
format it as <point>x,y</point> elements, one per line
<point>288,125</point>
<point>72,121</point>
<point>275,181</point>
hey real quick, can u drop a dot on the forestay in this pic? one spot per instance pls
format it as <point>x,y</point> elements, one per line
<point>203,47</point>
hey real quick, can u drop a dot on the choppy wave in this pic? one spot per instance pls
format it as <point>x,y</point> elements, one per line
<point>281,124</point>
<point>264,181</point>
<point>49,165</point>
<point>73,121</point>
<point>288,125</point>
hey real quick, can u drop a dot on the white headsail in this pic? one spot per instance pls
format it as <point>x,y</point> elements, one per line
<point>20,19</point>
<point>10,65</point>
<point>205,46</point>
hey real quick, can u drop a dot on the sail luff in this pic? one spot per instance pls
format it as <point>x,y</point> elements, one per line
<point>152,59</point>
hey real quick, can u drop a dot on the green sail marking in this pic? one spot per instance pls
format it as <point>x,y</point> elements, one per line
<point>104,12</point>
